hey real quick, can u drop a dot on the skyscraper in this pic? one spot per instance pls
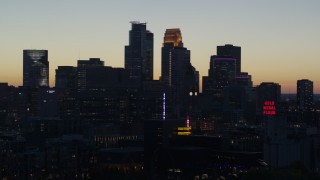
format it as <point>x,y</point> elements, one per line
<point>223,70</point>
<point>83,66</point>
<point>175,58</point>
<point>176,69</point>
<point>244,79</point>
<point>66,77</point>
<point>222,73</point>
<point>35,68</point>
<point>173,36</point>
<point>268,98</point>
<point>304,94</point>
<point>139,52</point>
<point>230,50</point>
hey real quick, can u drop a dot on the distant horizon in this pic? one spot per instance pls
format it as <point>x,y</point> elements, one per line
<point>282,93</point>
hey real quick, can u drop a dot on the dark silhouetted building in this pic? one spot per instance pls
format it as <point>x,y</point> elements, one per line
<point>243,79</point>
<point>3,102</point>
<point>230,50</point>
<point>82,67</point>
<point>139,52</point>
<point>48,102</point>
<point>223,70</point>
<point>268,98</point>
<point>283,146</point>
<point>151,101</point>
<point>304,94</point>
<point>222,73</point>
<point>35,68</point>
<point>66,77</point>
<point>156,137</point>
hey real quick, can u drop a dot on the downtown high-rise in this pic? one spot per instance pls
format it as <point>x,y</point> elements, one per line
<point>231,50</point>
<point>82,68</point>
<point>222,73</point>
<point>268,98</point>
<point>177,73</point>
<point>139,52</point>
<point>174,59</point>
<point>304,94</point>
<point>35,68</point>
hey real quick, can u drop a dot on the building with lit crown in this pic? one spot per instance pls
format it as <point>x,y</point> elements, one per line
<point>177,74</point>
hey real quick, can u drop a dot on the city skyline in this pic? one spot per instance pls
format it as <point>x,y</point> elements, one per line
<point>276,42</point>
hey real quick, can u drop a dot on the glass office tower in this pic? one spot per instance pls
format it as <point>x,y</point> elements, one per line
<point>35,68</point>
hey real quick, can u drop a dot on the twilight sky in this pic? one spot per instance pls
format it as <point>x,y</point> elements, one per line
<point>280,40</point>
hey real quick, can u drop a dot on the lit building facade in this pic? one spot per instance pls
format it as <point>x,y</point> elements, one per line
<point>35,68</point>
<point>173,36</point>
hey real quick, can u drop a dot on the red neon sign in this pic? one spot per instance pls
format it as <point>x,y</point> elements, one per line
<point>269,108</point>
